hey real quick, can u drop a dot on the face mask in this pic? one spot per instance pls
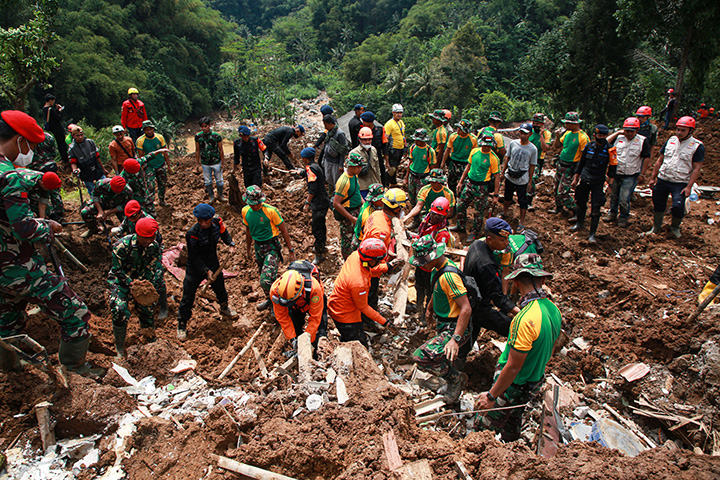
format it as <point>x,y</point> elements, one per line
<point>23,159</point>
<point>366,147</point>
<point>601,141</point>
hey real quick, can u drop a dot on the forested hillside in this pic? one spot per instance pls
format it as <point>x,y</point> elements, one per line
<point>601,57</point>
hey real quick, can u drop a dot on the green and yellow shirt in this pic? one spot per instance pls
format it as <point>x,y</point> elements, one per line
<point>427,195</point>
<point>263,223</point>
<point>348,188</point>
<point>460,147</point>
<point>439,137</point>
<point>422,158</point>
<point>538,139</point>
<point>146,145</point>
<point>533,331</point>
<point>448,287</point>
<point>482,165</point>
<point>573,144</point>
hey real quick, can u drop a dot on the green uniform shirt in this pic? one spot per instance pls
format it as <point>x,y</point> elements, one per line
<point>483,166</point>
<point>506,257</point>
<point>366,210</point>
<point>422,158</point>
<point>533,331</point>
<point>138,183</point>
<point>45,153</point>
<point>427,195</point>
<point>348,189</point>
<point>132,262</point>
<point>263,223</point>
<point>538,139</point>
<point>148,145</point>
<point>108,199</point>
<point>573,143</point>
<point>31,181</point>
<point>439,137</point>
<point>448,287</point>
<point>460,147</point>
<point>208,145</point>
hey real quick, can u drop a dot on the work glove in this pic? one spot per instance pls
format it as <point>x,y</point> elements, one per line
<point>293,351</point>
<point>115,231</point>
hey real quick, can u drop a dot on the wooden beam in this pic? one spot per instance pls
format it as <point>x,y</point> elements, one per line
<point>461,471</point>
<point>260,361</point>
<point>391,450</point>
<point>401,288</point>
<point>304,351</point>
<point>47,433</point>
<point>242,352</point>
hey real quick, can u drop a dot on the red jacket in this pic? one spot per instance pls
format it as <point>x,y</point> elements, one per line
<point>133,114</point>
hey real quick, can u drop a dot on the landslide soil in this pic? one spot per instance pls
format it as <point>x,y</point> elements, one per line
<point>628,296</point>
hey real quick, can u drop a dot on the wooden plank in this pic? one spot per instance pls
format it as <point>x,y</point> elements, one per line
<point>462,471</point>
<point>401,288</point>
<point>260,361</point>
<point>429,405</point>
<point>419,470</point>
<point>304,350</point>
<point>248,470</point>
<point>432,416</point>
<point>242,352</point>
<point>392,454</point>
<point>47,433</point>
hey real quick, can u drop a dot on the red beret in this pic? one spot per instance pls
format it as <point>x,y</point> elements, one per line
<point>24,124</point>
<point>131,165</point>
<point>146,227</point>
<point>117,184</point>
<point>51,181</point>
<point>132,207</point>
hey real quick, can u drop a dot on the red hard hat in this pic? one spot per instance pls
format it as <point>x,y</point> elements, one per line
<point>686,122</point>
<point>448,113</point>
<point>132,207</point>
<point>372,249</point>
<point>644,110</point>
<point>440,205</point>
<point>365,132</point>
<point>671,90</point>
<point>631,122</point>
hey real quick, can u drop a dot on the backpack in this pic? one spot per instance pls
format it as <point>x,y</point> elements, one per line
<point>531,238</point>
<point>307,270</point>
<point>473,292</point>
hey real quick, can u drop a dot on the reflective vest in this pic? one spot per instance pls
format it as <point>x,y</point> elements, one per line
<point>677,161</point>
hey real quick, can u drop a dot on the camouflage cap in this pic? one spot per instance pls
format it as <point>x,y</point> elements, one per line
<point>438,115</point>
<point>539,117</point>
<point>495,116</point>
<point>421,135</point>
<point>253,195</point>
<point>437,175</point>
<point>572,117</point>
<point>464,125</point>
<point>425,250</point>
<point>487,141</point>
<point>375,193</point>
<point>530,263</point>
<point>355,160</point>
<point>148,124</point>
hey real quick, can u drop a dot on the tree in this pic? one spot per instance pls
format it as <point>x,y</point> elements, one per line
<point>25,58</point>
<point>396,79</point>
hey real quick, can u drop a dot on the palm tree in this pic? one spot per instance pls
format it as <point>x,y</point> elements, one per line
<point>422,82</point>
<point>396,79</point>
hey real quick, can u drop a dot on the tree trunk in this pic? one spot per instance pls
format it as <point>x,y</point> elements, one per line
<point>680,81</point>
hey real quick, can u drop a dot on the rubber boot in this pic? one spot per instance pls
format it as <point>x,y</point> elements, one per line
<point>657,223</point>
<point>675,227</point>
<point>119,333</point>
<point>610,217</point>
<point>181,331</point>
<point>623,222</point>
<point>319,258</point>
<point>72,355</point>
<point>92,230</point>
<point>210,192</point>
<point>226,310</point>
<point>594,221</point>
<point>455,385</point>
<point>580,225</point>
<point>264,305</point>
<point>163,313</point>
<point>220,189</point>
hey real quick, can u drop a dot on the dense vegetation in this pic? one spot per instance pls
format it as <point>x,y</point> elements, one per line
<point>248,58</point>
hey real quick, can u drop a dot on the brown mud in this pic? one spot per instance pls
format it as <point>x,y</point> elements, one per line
<point>628,297</point>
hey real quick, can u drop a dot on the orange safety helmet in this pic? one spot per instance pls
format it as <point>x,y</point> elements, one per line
<point>288,289</point>
<point>372,249</point>
<point>365,133</point>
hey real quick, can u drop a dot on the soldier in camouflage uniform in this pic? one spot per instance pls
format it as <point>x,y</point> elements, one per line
<point>157,167</point>
<point>134,257</point>
<point>479,182</point>
<point>133,213</point>
<point>23,275</point>
<point>209,156</point>
<point>134,176</point>
<point>573,142</point>
<point>39,186</point>
<point>451,308</point>
<point>44,160</point>
<point>109,196</point>
<point>264,226</point>
<point>347,201</point>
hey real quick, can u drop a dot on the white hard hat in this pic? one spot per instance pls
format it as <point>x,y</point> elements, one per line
<point>118,129</point>
<point>397,108</point>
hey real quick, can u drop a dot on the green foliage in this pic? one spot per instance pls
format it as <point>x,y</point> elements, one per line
<point>25,58</point>
<point>415,122</point>
<point>366,63</point>
<point>171,132</point>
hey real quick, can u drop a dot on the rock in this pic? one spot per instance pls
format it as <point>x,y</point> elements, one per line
<point>567,255</point>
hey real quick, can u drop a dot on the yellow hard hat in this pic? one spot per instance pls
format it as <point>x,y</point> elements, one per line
<point>132,90</point>
<point>395,198</point>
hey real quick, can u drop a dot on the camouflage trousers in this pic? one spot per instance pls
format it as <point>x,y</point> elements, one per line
<point>156,176</point>
<point>56,209</point>
<point>508,422</point>
<point>89,215</point>
<point>455,171</point>
<point>415,183</point>
<point>479,197</point>
<point>563,186</point>
<point>268,257</point>
<point>430,356</point>
<point>120,298</point>
<point>347,231</point>
<point>31,282</point>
